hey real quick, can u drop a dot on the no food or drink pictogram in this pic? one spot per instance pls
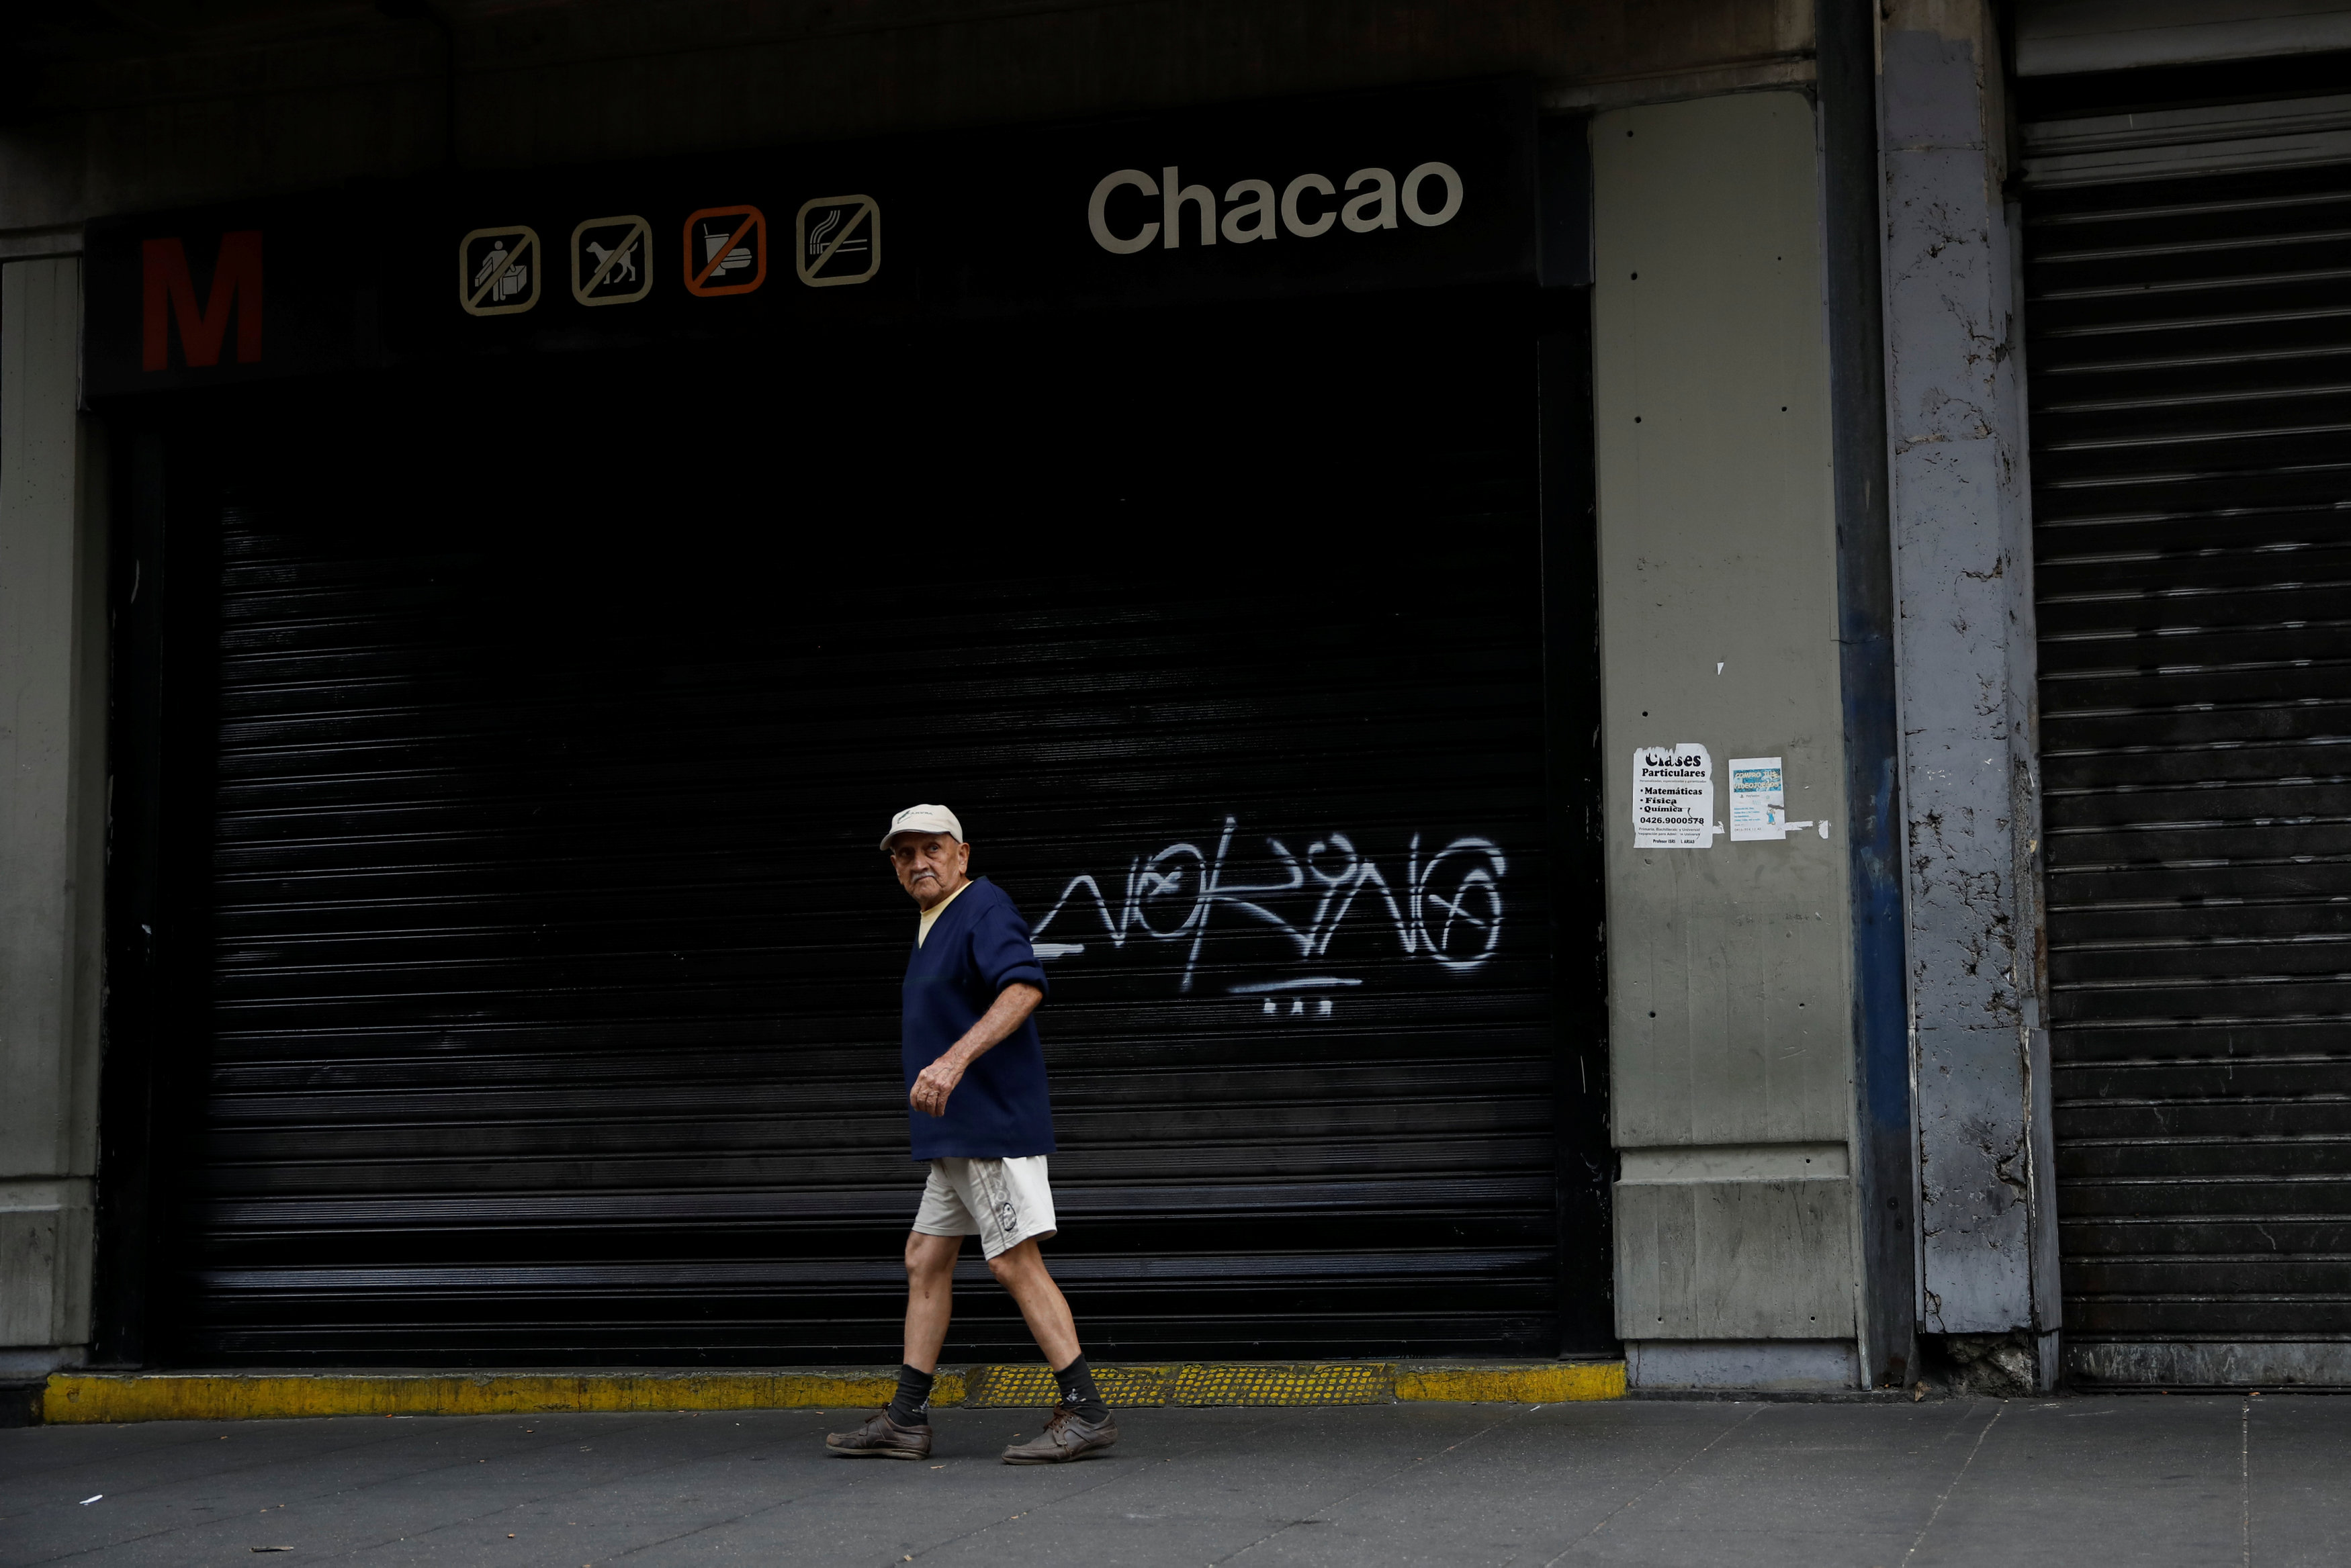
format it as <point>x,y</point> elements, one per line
<point>726,250</point>
<point>498,270</point>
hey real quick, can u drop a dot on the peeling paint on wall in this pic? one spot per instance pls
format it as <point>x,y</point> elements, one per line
<point>1965,658</point>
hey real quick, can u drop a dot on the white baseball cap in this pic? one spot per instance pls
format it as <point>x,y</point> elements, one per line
<point>924,819</point>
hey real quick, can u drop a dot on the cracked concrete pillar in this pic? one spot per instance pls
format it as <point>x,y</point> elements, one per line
<point>1963,580</point>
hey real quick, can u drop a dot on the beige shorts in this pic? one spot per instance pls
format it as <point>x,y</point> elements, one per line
<point>1004,1202</point>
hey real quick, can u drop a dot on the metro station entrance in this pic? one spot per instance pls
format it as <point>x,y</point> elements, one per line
<point>521,738</point>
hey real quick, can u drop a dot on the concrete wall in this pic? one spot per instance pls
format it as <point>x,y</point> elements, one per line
<point>1730,966</point>
<point>208,101</point>
<point>1731,1024</point>
<point>1963,577</point>
<point>52,820</point>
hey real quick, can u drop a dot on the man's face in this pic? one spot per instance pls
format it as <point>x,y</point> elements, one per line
<point>930,865</point>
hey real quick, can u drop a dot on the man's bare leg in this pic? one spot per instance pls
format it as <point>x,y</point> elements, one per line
<point>930,1296</point>
<point>901,1430</point>
<point>1020,1270</point>
<point>1082,1422</point>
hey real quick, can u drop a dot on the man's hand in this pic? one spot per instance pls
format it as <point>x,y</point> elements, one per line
<point>937,1081</point>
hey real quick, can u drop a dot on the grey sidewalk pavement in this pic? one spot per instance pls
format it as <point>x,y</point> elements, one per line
<point>2144,1479</point>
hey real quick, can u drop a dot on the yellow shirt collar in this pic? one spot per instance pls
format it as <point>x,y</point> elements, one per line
<point>922,931</point>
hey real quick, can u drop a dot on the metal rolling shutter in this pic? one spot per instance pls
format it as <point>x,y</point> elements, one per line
<point>552,997</point>
<point>2189,362</point>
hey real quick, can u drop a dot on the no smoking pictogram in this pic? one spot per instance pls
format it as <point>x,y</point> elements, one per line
<point>837,239</point>
<point>726,250</point>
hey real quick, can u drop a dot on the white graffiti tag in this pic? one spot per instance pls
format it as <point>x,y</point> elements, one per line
<point>1448,909</point>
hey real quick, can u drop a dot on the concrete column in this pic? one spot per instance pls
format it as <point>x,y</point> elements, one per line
<point>52,820</point>
<point>1731,966</point>
<point>1963,577</point>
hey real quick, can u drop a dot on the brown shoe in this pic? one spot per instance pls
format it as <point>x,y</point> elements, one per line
<point>881,1438</point>
<point>1067,1435</point>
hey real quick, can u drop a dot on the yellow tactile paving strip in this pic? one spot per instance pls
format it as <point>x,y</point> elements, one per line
<point>75,1396</point>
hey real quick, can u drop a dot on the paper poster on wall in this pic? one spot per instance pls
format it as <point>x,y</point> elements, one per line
<point>1673,797</point>
<point>1758,799</point>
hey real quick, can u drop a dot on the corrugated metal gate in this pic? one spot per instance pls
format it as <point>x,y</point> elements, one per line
<point>2190,361</point>
<point>550,971</point>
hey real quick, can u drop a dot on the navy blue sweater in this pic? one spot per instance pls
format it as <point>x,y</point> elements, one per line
<point>977,946</point>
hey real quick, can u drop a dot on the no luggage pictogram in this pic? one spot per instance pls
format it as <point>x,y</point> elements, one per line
<point>838,239</point>
<point>498,270</point>
<point>612,260</point>
<point>726,250</point>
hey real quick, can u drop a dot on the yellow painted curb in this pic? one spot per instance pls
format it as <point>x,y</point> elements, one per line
<point>1543,1383</point>
<point>78,1397</point>
<point>73,1397</point>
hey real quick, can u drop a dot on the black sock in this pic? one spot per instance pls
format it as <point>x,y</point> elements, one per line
<point>911,1406</point>
<point>1079,1393</point>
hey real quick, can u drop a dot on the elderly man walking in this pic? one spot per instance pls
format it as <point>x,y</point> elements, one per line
<point>979,1114</point>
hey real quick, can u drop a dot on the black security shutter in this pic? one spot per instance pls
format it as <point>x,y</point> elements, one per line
<point>2189,358</point>
<point>550,1005</point>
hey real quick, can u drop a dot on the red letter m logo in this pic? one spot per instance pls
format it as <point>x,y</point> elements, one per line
<point>237,282</point>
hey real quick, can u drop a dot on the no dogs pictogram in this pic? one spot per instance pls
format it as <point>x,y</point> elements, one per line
<point>726,250</point>
<point>837,239</point>
<point>612,260</point>
<point>498,270</point>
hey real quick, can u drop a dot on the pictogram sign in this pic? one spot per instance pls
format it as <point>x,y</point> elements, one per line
<point>612,260</point>
<point>726,250</point>
<point>837,239</point>
<point>498,270</point>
